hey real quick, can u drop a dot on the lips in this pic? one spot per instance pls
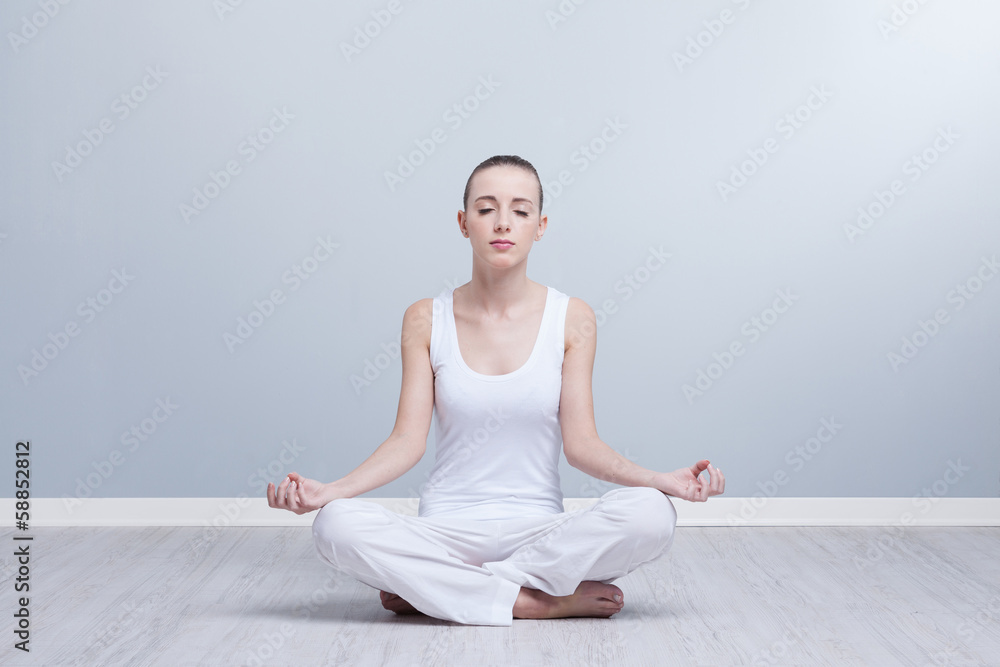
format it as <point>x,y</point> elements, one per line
<point>503,241</point>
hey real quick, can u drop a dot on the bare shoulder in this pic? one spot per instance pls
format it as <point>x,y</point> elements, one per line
<point>417,322</point>
<point>581,323</point>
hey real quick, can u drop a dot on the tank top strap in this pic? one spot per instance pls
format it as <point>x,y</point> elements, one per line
<point>556,334</point>
<point>440,314</point>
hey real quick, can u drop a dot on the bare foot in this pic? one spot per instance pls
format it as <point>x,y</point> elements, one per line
<point>393,602</point>
<point>591,598</point>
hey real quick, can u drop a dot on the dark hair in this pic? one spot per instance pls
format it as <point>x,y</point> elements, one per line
<point>503,161</point>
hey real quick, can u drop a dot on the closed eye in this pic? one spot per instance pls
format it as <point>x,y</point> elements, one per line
<point>524,213</point>
<point>484,211</point>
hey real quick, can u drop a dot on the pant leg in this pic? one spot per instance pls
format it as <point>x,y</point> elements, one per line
<point>434,564</point>
<point>627,527</point>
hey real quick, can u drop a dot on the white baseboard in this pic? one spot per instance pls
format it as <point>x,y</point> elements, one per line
<point>752,511</point>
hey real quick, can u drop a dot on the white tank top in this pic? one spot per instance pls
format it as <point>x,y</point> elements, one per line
<point>498,436</point>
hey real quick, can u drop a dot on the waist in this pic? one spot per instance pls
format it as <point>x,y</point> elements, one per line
<point>501,509</point>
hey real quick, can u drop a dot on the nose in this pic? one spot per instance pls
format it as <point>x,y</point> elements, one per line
<point>502,223</point>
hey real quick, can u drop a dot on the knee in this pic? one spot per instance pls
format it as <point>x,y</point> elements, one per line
<point>336,523</point>
<point>653,516</point>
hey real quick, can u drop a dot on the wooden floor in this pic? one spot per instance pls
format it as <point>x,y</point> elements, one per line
<point>174,596</point>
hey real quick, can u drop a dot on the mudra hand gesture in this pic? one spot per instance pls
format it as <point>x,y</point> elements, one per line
<point>687,483</point>
<point>298,494</point>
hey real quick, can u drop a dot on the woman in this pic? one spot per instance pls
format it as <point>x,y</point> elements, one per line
<point>504,364</point>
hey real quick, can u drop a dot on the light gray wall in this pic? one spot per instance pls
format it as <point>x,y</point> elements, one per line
<point>881,93</point>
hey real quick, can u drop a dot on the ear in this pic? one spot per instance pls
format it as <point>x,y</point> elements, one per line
<point>461,222</point>
<point>543,223</point>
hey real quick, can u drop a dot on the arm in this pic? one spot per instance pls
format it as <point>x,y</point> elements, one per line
<point>407,443</point>
<point>583,448</point>
<point>404,447</point>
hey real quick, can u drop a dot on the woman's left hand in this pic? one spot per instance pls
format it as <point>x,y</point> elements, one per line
<point>687,484</point>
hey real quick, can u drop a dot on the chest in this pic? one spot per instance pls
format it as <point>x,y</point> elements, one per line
<point>497,348</point>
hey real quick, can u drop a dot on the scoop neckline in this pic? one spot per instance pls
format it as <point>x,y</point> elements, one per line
<point>514,373</point>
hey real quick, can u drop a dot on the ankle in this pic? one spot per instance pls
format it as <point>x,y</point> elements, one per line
<point>532,603</point>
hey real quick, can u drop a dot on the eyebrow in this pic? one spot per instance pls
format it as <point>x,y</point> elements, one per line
<point>515,200</point>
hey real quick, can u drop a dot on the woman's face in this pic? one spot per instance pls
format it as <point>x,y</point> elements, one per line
<point>503,204</point>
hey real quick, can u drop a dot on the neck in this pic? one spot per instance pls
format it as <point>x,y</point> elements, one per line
<point>499,292</point>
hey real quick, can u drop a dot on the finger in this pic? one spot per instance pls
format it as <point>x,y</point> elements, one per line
<point>270,494</point>
<point>282,491</point>
<point>688,493</point>
<point>300,485</point>
<point>293,497</point>
<point>718,480</point>
<point>696,491</point>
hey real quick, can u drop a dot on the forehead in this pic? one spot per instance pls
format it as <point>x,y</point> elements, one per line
<point>504,182</point>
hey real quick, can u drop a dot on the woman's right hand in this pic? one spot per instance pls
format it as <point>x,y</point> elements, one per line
<point>298,494</point>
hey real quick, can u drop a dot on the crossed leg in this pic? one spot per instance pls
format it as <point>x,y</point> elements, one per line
<point>543,567</point>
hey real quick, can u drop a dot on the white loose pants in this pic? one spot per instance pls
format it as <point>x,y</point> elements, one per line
<point>470,571</point>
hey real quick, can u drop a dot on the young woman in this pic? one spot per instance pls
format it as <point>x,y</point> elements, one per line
<point>504,365</point>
